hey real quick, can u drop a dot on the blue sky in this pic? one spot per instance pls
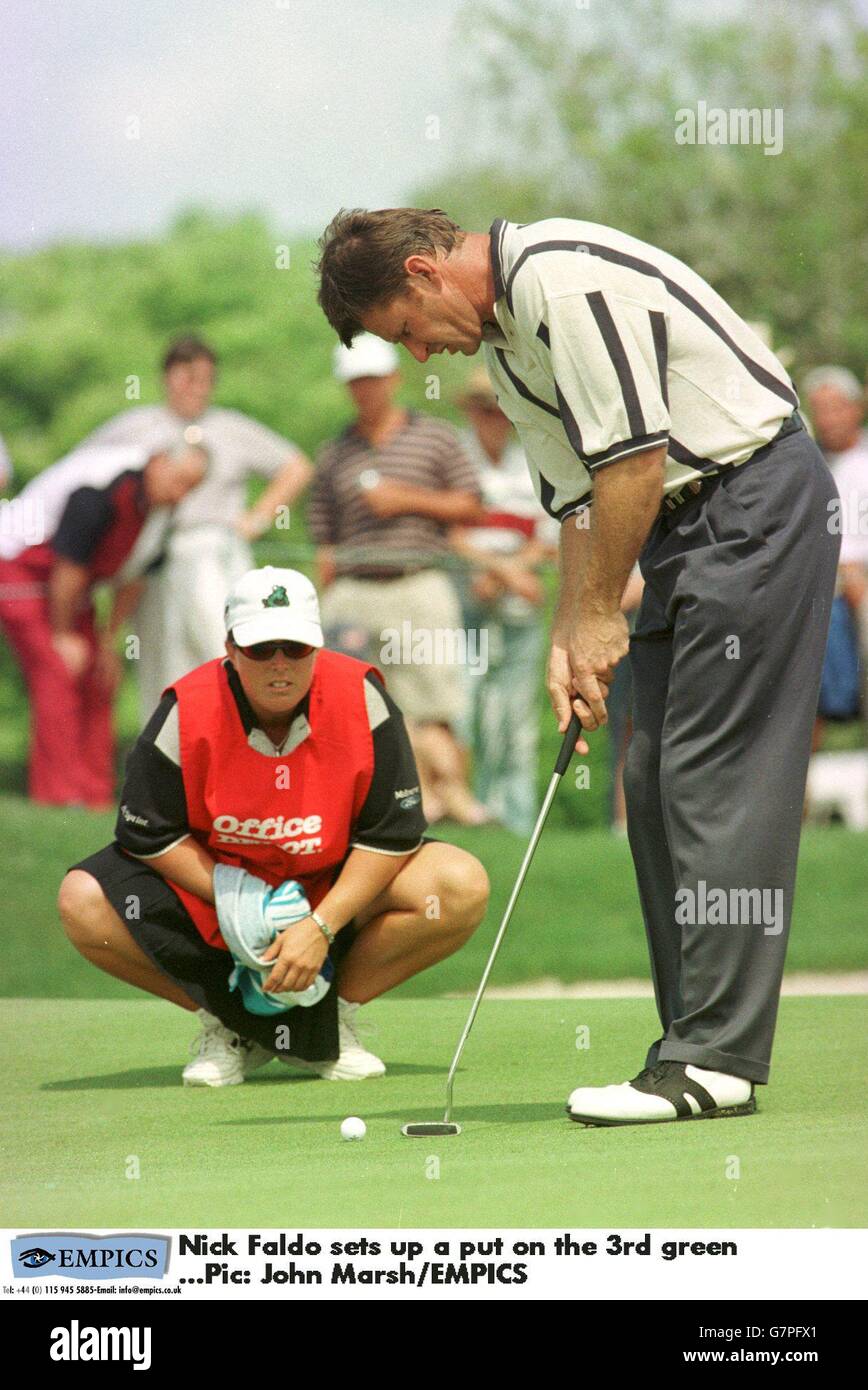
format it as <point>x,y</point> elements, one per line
<point>292,106</point>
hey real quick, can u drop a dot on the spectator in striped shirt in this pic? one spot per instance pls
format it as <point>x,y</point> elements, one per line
<point>385,493</point>
<point>660,428</point>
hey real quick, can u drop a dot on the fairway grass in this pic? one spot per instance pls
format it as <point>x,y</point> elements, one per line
<point>93,1094</point>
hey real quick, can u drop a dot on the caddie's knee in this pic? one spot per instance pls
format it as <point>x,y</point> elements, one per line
<point>81,903</point>
<point>463,889</point>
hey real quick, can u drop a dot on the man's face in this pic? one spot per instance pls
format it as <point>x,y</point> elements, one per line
<point>372,395</point>
<point>432,316</point>
<point>835,417</point>
<point>189,386</point>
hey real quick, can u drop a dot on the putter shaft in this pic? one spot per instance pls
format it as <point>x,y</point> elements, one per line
<point>561,766</point>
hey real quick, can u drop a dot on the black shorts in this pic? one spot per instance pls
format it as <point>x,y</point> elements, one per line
<point>160,924</point>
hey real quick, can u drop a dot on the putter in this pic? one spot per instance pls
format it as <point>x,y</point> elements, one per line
<point>447,1125</point>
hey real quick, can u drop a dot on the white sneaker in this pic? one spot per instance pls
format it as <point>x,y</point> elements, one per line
<point>667,1091</point>
<point>355,1063</point>
<point>222,1057</point>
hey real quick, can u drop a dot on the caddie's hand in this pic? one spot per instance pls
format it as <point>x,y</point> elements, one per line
<point>596,644</point>
<point>297,954</point>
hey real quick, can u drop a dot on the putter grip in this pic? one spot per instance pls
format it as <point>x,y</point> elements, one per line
<point>574,728</point>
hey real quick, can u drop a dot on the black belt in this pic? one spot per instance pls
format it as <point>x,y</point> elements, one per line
<point>673,500</point>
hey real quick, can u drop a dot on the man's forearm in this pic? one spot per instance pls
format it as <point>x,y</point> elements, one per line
<point>282,491</point>
<point>67,587</point>
<point>453,507</point>
<point>627,499</point>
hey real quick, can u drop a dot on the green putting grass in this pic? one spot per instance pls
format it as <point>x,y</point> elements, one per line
<point>577,918</point>
<point>93,1092</point>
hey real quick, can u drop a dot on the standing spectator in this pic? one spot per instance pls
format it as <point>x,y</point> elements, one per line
<point>503,597</point>
<point>73,526</point>
<point>836,406</point>
<point>385,493</point>
<point>206,546</point>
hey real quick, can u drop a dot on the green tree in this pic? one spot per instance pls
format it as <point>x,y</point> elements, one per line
<point>581,106</point>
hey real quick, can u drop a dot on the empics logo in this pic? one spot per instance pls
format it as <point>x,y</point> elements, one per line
<point>77,1343</point>
<point>88,1257</point>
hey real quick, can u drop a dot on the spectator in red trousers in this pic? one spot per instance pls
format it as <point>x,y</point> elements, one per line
<point>71,528</point>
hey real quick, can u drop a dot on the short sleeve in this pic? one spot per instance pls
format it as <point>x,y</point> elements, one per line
<point>391,820</point>
<point>609,362</point>
<point>153,810</point>
<point>322,519</point>
<point>85,520</point>
<point>263,451</point>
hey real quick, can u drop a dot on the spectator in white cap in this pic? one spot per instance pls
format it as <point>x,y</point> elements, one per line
<point>384,497</point>
<point>273,800</point>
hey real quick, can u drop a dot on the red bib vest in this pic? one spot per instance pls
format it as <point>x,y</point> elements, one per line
<point>289,816</point>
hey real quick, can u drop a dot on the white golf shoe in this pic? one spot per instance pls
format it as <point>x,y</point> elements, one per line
<point>667,1091</point>
<point>222,1057</point>
<point>355,1063</point>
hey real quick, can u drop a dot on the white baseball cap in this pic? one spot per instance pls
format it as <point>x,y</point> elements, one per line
<point>273,605</point>
<point>368,356</point>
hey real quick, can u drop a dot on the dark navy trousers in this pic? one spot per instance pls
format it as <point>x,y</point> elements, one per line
<point>726,659</point>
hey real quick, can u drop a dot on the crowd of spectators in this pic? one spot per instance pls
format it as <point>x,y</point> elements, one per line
<point>430,555</point>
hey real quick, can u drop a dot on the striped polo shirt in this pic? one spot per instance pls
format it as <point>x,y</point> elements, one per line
<point>424,452</point>
<point>605,346</point>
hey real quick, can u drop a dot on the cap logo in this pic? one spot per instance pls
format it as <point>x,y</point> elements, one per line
<point>278,598</point>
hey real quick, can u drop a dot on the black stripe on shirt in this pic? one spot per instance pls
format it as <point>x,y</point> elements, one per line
<point>522,389</point>
<point>565,414</point>
<point>570,424</point>
<point>615,348</point>
<point>661,350</point>
<point>616,452</point>
<point>496,234</point>
<point>546,497</point>
<point>606,253</point>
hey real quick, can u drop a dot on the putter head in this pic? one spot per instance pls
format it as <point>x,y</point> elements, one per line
<point>433,1129</point>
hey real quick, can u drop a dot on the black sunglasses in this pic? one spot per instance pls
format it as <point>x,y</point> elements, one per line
<point>264,651</point>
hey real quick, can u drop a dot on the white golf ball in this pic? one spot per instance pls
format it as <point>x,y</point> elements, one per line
<point>353,1128</point>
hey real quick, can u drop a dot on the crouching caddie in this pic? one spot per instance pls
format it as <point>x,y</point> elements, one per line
<point>270,871</point>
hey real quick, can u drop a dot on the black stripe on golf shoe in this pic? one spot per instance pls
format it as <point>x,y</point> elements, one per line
<point>669,1081</point>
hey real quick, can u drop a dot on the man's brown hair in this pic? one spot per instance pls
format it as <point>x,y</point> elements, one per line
<point>362,257</point>
<point>188,349</point>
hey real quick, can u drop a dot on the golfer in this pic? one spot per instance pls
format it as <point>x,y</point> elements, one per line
<point>291,765</point>
<point>657,427</point>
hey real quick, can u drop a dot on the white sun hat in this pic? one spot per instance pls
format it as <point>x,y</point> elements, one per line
<point>273,605</point>
<point>368,356</point>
